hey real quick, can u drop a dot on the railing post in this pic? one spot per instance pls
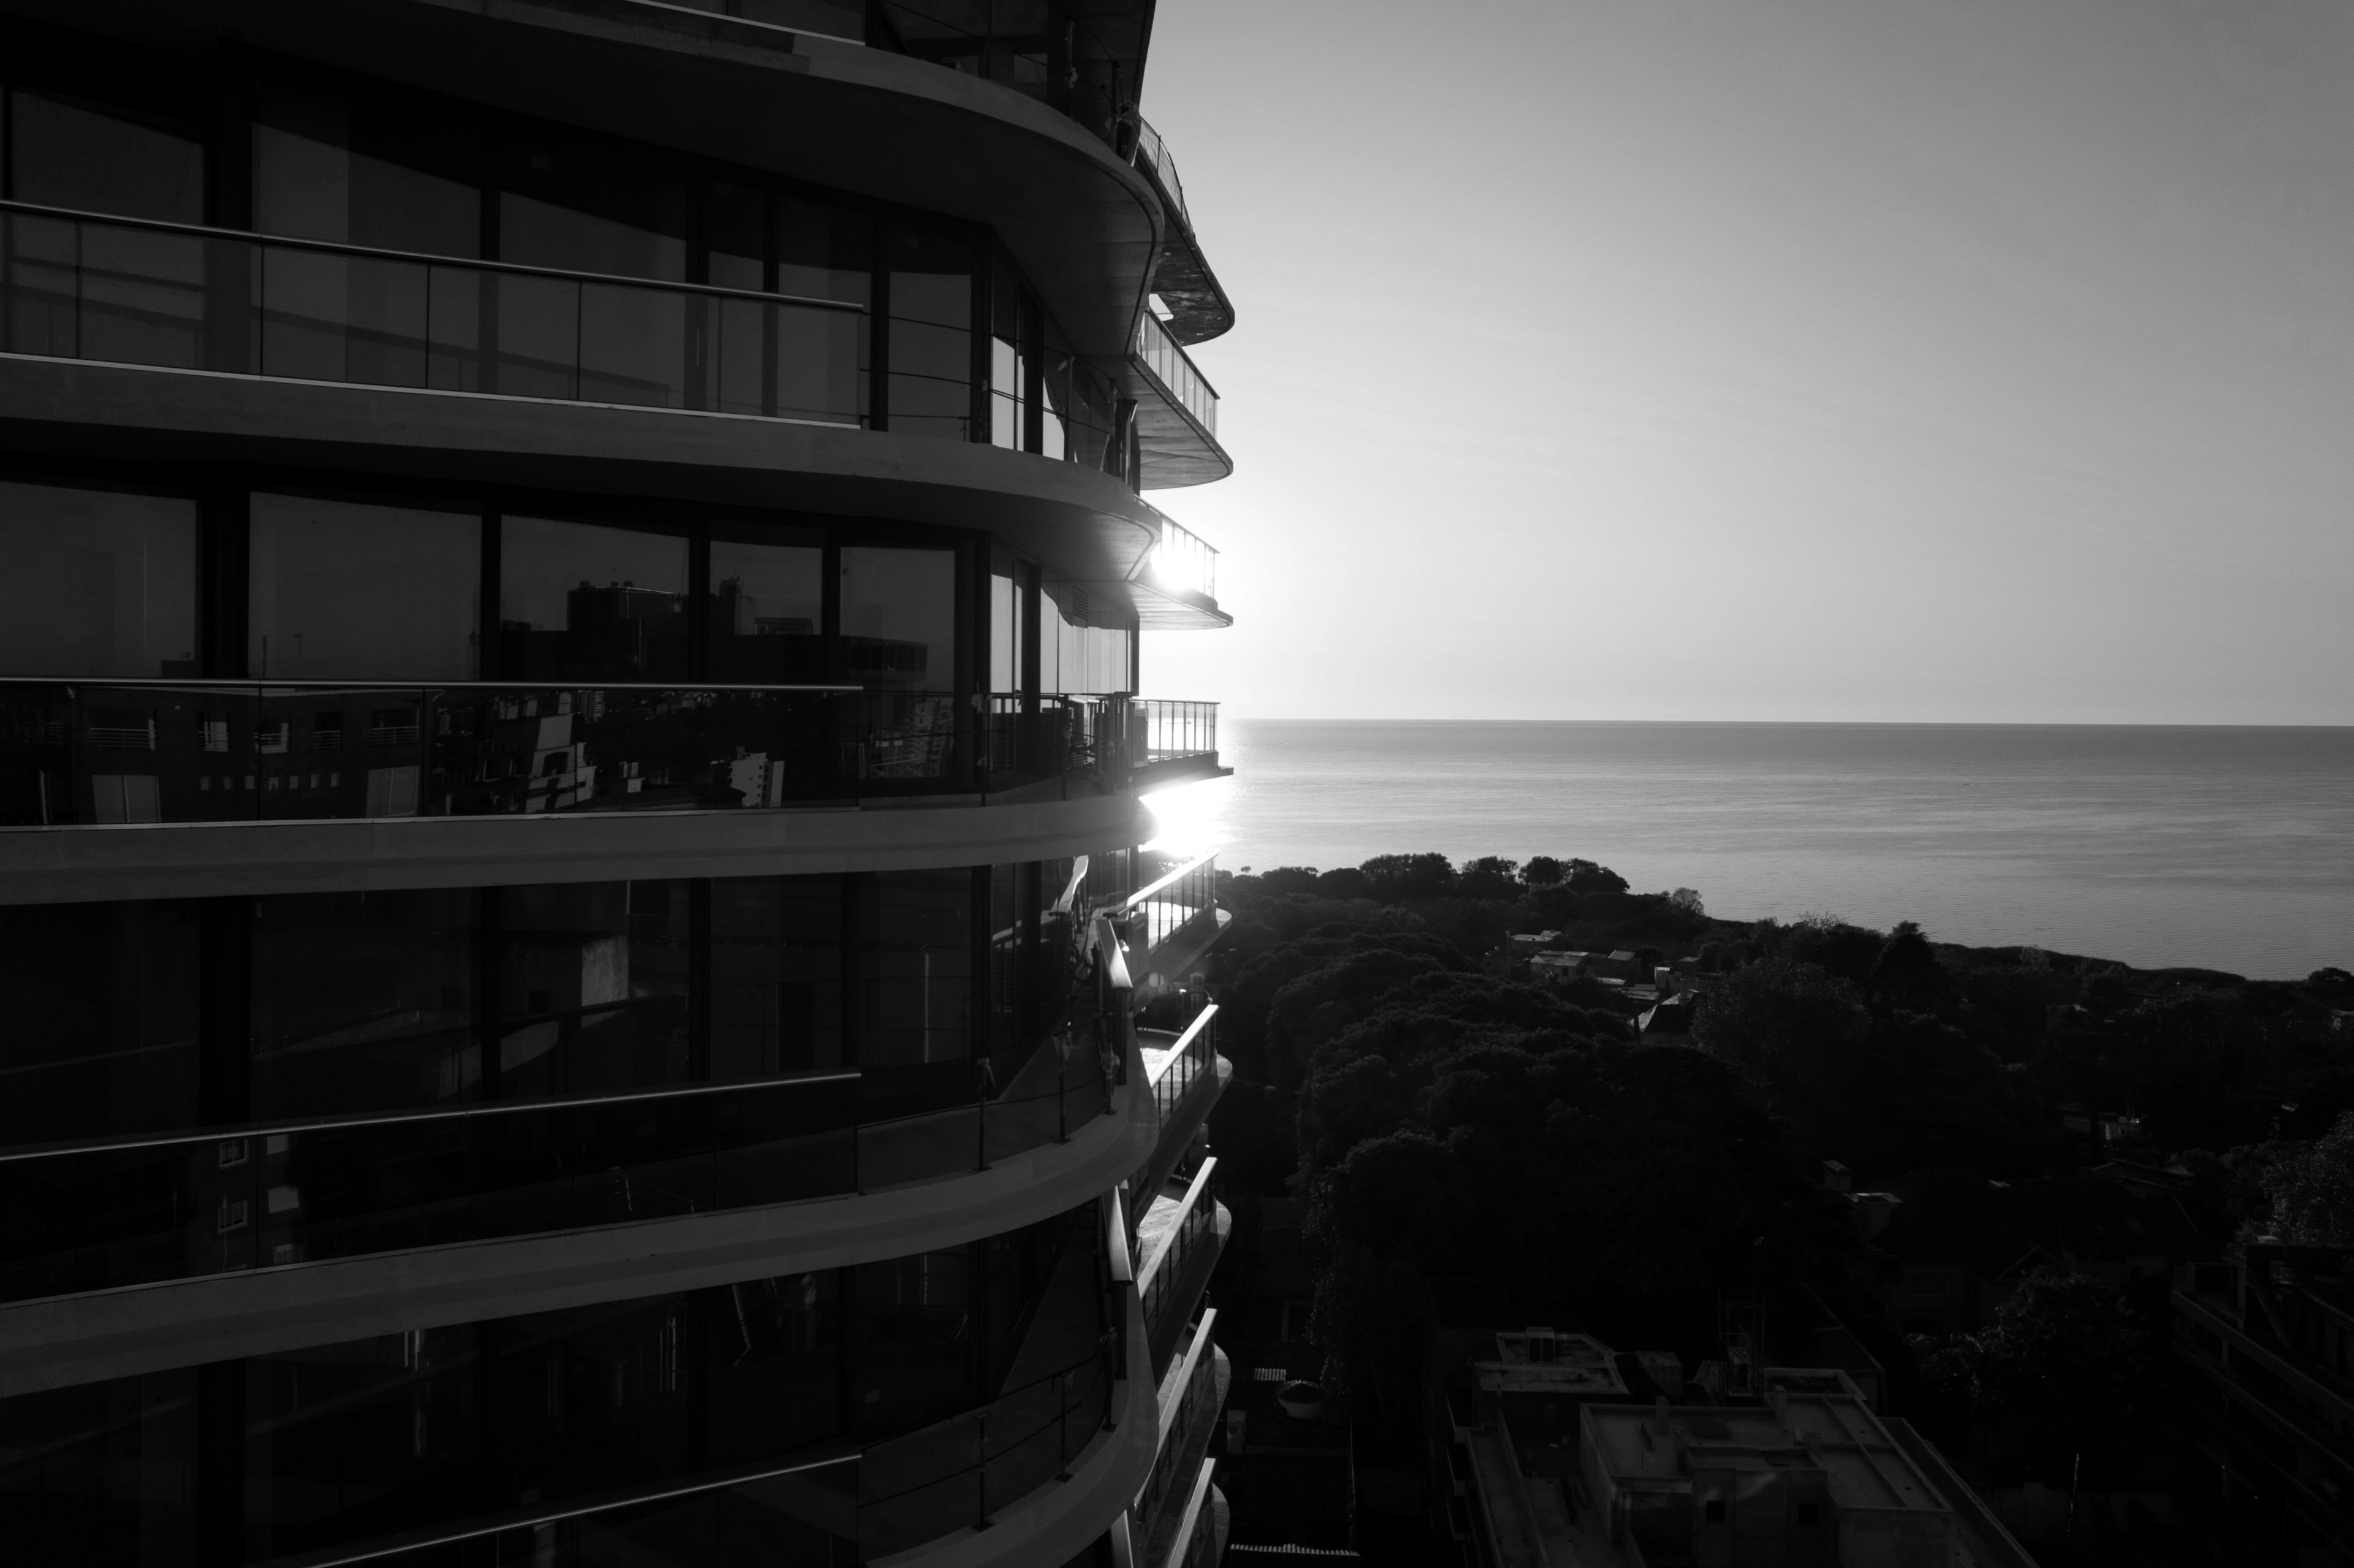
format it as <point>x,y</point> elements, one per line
<point>981,1471</point>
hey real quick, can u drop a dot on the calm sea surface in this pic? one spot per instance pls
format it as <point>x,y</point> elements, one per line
<point>2228,848</point>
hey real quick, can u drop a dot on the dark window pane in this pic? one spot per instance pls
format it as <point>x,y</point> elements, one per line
<point>586,212</point>
<point>932,334</point>
<point>100,159</point>
<point>364,1001</point>
<point>1007,603</point>
<point>1074,654</point>
<point>824,252</point>
<point>776,1367</point>
<point>734,221</point>
<point>104,1472</point>
<point>99,583</point>
<point>776,975</point>
<point>345,591</point>
<point>592,988</point>
<point>767,609</point>
<point>582,602</point>
<point>914,1333</point>
<point>915,968</point>
<point>363,174</point>
<point>98,1019</point>
<point>898,618</point>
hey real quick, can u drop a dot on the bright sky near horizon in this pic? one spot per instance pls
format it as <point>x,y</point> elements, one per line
<point>1934,360</point>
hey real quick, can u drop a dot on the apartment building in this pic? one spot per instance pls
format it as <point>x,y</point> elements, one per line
<point>575,896</point>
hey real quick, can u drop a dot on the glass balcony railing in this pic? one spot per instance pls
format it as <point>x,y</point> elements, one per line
<point>99,752</point>
<point>1170,903</point>
<point>1174,1239</point>
<point>840,1509</point>
<point>1191,1057</point>
<point>1153,156</point>
<point>104,1214</point>
<point>1196,1407</point>
<point>1167,730</point>
<point>137,292</point>
<point>1182,561</point>
<point>1174,370</point>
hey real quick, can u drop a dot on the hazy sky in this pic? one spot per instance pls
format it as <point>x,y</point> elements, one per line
<point>1848,359</point>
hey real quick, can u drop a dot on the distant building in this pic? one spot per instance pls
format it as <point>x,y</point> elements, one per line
<point>1550,1465</point>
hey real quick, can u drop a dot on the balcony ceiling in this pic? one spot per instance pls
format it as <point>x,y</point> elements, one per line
<point>1084,226</point>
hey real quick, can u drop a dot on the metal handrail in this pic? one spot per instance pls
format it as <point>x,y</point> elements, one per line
<point>1166,360</point>
<point>1144,895</point>
<point>271,682</point>
<point>450,1114</point>
<point>1152,150</point>
<point>421,258</point>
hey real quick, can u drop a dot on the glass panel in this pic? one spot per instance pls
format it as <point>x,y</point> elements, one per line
<point>898,618</point>
<point>1074,655</point>
<point>824,252</point>
<point>98,1019</point>
<point>582,602</point>
<point>1006,604</point>
<point>912,1327</point>
<point>915,968</point>
<point>592,988</point>
<point>104,1472</point>
<point>822,365</point>
<point>768,608</point>
<point>776,975</point>
<point>345,591</point>
<point>932,334</point>
<point>1055,395</point>
<point>363,174</point>
<point>100,159</point>
<point>734,219</point>
<point>585,212</point>
<point>364,1001</point>
<point>99,584</point>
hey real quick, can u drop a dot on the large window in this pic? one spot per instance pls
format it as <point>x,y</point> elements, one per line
<point>364,1001</point>
<point>98,1019</point>
<point>931,333</point>
<point>776,975</point>
<point>767,604</point>
<point>1076,652</point>
<point>914,956</point>
<point>581,601</point>
<point>898,618</point>
<point>329,1446</point>
<point>98,158</point>
<point>594,984</point>
<point>346,591</point>
<point>100,583</point>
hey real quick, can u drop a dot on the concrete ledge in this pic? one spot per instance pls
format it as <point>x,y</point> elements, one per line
<point>67,1339</point>
<point>194,860</point>
<point>1085,523</point>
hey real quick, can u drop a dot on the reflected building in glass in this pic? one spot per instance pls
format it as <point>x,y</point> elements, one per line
<point>582,979</point>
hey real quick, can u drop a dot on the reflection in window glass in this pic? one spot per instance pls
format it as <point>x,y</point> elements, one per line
<point>1074,653</point>
<point>363,1001</point>
<point>98,1019</point>
<point>362,174</point>
<point>932,334</point>
<point>825,252</point>
<point>1007,604</point>
<point>915,961</point>
<point>776,975</point>
<point>592,988</point>
<point>582,602</point>
<point>345,591</point>
<point>99,584</point>
<point>115,1476</point>
<point>99,159</point>
<point>572,208</point>
<point>767,609</point>
<point>915,1341</point>
<point>898,618</point>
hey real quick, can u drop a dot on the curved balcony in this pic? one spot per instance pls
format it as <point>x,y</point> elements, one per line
<point>472,371</point>
<point>1176,412</point>
<point>1198,307</point>
<point>312,786</point>
<point>1180,1235</point>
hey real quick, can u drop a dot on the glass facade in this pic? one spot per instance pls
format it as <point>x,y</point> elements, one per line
<point>439,1431</point>
<point>730,290</point>
<point>348,590</point>
<point>586,601</point>
<point>100,583</point>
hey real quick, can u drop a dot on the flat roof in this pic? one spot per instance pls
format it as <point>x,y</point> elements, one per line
<point>1815,1419</point>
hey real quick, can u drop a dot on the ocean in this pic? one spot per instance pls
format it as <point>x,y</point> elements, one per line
<point>2219,848</point>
